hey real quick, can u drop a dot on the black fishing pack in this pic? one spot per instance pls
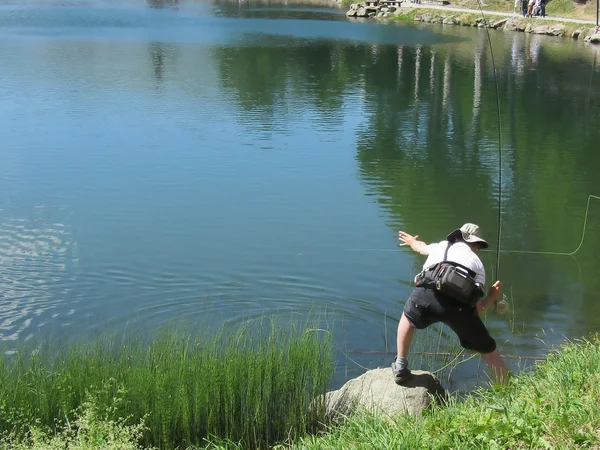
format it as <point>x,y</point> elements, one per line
<point>451,279</point>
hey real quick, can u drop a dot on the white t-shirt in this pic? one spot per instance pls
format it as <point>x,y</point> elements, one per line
<point>460,253</point>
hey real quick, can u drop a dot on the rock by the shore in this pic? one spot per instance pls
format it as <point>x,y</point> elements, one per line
<point>498,23</point>
<point>594,38</point>
<point>511,25</point>
<point>376,391</point>
<point>558,29</point>
<point>540,29</point>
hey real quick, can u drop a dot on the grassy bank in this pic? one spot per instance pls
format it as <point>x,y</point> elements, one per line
<point>254,388</point>
<point>554,407</point>
<point>250,391</point>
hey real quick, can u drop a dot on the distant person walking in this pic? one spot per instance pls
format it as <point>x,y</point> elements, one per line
<point>524,7</point>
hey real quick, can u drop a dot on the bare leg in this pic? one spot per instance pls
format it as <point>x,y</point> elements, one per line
<point>405,336</point>
<point>496,366</point>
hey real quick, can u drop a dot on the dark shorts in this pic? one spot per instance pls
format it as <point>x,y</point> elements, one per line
<point>425,307</point>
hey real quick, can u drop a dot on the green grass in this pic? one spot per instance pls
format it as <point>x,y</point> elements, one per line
<point>256,389</point>
<point>554,407</point>
<point>253,387</point>
<point>561,7</point>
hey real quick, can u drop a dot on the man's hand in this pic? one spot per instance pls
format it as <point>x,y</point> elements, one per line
<point>494,291</point>
<point>416,245</point>
<point>492,297</point>
<point>406,239</point>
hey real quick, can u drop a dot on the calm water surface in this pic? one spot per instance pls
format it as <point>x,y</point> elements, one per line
<point>214,164</point>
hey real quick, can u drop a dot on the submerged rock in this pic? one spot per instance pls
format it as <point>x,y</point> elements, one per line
<point>376,391</point>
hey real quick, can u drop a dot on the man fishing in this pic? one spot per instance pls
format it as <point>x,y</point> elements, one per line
<point>427,303</point>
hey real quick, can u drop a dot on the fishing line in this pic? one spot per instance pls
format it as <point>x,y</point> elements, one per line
<point>564,253</point>
<point>498,250</point>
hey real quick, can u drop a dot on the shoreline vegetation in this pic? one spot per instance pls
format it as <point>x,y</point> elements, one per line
<point>554,406</point>
<point>498,20</point>
<point>254,387</point>
<point>261,389</point>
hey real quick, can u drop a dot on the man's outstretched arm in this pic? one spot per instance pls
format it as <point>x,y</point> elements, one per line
<point>416,245</point>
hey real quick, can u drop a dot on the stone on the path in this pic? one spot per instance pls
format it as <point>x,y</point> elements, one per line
<point>377,392</point>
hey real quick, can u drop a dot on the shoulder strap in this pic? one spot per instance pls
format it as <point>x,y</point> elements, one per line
<point>446,252</point>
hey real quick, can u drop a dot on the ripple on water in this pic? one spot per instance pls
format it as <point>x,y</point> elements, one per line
<point>37,258</point>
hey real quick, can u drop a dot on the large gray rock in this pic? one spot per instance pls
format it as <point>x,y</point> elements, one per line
<point>361,12</point>
<point>595,38</point>
<point>377,392</point>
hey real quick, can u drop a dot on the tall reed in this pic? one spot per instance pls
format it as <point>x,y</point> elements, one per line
<point>255,386</point>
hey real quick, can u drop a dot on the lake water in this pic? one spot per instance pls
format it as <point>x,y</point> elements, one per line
<point>211,163</point>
